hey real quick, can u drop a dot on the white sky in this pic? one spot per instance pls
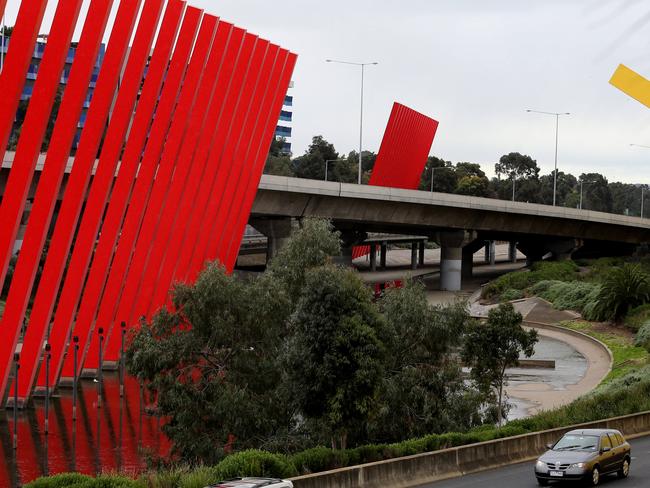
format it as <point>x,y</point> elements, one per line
<point>474,65</point>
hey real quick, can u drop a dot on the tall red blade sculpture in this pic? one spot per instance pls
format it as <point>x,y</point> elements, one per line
<point>166,168</point>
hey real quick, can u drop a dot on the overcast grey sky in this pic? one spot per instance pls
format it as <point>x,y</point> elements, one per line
<point>475,66</point>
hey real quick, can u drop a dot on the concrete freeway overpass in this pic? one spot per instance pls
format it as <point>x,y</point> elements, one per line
<point>460,224</point>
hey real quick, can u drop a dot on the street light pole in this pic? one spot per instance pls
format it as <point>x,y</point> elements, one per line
<point>581,182</point>
<point>557,128</point>
<point>514,180</point>
<point>642,187</point>
<point>331,161</point>
<point>363,66</point>
<point>433,168</point>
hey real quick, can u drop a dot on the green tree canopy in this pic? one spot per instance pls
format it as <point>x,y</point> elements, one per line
<point>492,347</point>
<point>422,390</point>
<point>312,163</point>
<point>518,165</point>
<point>335,352</point>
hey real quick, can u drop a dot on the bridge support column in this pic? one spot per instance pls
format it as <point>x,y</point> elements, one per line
<point>512,251</point>
<point>382,255</point>
<point>562,249</point>
<point>414,255</point>
<point>373,257</point>
<point>493,253</point>
<point>277,231</point>
<point>468,257</point>
<point>349,239</point>
<point>451,258</point>
<point>421,254</point>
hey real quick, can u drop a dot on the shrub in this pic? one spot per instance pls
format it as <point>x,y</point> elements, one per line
<point>554,270</point>
<point>255,463</point>
<point>637,317</point>
<point>541,271</point>
<point>624,288</point>
<point>575,295</point>
<point>541,287</point>
<point>642,338</point>
<point>60,481</point>
<point>511,294</point>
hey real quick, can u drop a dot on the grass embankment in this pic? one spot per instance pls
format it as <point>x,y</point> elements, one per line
<point>628,357</point>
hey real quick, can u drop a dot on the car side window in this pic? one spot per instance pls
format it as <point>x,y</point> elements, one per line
<point>614,440</point>
<point>605,442</point>
<point>620,439</point>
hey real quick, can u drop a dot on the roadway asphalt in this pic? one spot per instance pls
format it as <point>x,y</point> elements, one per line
<point>521,475</point>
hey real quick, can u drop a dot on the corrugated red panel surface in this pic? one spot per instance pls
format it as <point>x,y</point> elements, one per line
<point>403,153</point>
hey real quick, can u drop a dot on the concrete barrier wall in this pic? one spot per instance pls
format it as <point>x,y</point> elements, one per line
<point>449,463</point>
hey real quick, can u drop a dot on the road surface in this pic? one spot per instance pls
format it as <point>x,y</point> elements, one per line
<point>521,475</point>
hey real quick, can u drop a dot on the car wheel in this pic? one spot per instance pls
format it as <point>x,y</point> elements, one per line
<point>624,472</point>
<point>542,482</point>
<point>594,479</point>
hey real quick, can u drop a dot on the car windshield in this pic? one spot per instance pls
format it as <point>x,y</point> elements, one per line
<point>574,442</point>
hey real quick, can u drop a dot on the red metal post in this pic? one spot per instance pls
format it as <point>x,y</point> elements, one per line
<point>84,161</point>
<point>54,167</point>
<point>256,157</point>
<point>184,109</point>
<point>116,223</point>
<point>111,150</point>
<point>238,163</point>
<point>20,178</point>
<point>261,66</point>
<point>157,225</point>
<point>12,80</point>
<point>258,162</point>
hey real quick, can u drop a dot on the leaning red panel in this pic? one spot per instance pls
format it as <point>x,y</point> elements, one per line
<point>108,160</point>
<point>126,246</point>
<point>49,185</point>
<point>258,161</point>
<point>22,171</point>
<point>153,235</point>
<point>119,221</point>
<point>12,79</point>
<point>186,178</point>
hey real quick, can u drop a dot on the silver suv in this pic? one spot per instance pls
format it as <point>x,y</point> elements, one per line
<point>253,483</point>
<point>584,455</point>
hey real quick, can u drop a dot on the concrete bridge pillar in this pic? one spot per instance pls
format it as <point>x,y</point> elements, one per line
<point>468,257</point>
<point>451,258</point>
<point>349,239</point>
<point>562,249</point>
<point>421,254</point>
<point>414,255</point>
<point>277,231</point>
<point>512,251</point>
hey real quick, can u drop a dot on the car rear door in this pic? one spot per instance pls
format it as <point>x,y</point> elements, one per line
<point>619,449</point>
<point>607,459</point>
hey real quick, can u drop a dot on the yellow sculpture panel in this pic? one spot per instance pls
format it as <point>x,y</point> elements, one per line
<point>632,84</point>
